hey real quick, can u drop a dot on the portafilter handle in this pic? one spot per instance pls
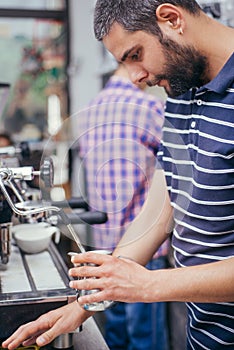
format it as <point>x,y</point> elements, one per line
<point>47,172</point>
<point>5,240</point>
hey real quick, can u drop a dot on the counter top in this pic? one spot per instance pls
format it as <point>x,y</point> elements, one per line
<point>90,338</point>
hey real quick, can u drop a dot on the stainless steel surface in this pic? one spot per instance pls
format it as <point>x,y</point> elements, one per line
<point>89,338</point>
<point>31,278</point>
<point>63,341</point>
<point>30,285</point>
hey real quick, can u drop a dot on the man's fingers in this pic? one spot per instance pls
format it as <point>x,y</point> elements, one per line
<point>90,257</point>
<point>46,337</point>
<point>18,337</point>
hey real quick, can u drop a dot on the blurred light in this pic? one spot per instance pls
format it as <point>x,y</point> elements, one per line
<point>54,114</point>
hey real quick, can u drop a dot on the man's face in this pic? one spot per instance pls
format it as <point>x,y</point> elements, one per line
<point>168,64</point>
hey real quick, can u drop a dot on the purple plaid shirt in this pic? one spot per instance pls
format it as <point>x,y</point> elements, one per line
<point>119,135</point>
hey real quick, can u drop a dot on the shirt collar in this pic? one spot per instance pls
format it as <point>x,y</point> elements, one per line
<point>223,80</point>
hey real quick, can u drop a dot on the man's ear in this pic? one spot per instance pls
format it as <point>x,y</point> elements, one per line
<point>169,15</point>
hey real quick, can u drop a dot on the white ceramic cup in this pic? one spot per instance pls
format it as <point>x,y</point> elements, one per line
<point>33,238</point>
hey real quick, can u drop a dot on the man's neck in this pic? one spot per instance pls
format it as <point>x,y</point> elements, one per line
<point>217,44</point>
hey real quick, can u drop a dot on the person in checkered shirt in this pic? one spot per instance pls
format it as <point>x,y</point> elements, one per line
<point>119,134</point>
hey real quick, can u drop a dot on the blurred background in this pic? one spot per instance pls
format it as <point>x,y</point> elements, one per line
<point>51,67</point>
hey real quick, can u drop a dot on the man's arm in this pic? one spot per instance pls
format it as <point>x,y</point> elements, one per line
<point>151,227</point>
<point>206,283</point>
<point>122,279</point>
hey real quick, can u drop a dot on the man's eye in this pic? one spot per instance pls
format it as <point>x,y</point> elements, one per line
<point>135,56</point>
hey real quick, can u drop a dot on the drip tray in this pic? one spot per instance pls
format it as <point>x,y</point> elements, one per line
<point>31,285</point>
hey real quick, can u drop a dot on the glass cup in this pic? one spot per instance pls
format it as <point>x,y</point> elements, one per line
<point>97,306</point>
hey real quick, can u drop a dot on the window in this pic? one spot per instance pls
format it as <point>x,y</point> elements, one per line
<point>34,57</point>
<point>33,4</point>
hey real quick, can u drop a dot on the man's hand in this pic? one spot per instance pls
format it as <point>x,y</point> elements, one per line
<point>122,279</point>
<point>117,279</point>
<point>48,326</point>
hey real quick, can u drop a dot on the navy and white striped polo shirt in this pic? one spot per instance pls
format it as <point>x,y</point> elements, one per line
<point>197,155</point>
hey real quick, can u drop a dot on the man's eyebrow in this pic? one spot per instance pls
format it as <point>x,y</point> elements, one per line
<point>126,54</point>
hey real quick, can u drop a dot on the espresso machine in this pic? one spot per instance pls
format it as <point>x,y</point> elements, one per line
<point>32,284</point>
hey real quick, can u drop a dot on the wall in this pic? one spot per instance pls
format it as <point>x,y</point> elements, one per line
<point>85,54</point>
<point>85,81</point>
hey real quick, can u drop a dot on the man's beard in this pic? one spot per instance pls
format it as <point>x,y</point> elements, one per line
<point>185,68</point>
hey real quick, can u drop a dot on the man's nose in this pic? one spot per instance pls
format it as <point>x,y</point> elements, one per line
<point>137,75</point>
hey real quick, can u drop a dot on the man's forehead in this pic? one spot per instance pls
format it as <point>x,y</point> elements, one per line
<point>115,37</point>
<point>118,41</point>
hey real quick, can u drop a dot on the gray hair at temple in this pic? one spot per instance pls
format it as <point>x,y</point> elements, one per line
<point>134,15</point>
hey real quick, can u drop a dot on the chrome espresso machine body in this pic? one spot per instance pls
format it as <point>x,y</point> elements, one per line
<point>29,284</point>
<point>32,284</point>
<point>16,192</point>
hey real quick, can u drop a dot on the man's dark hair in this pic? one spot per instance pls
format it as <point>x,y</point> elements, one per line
<point>134,15</point>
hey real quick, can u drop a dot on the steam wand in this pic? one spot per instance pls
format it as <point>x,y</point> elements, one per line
<point>5,175</point>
